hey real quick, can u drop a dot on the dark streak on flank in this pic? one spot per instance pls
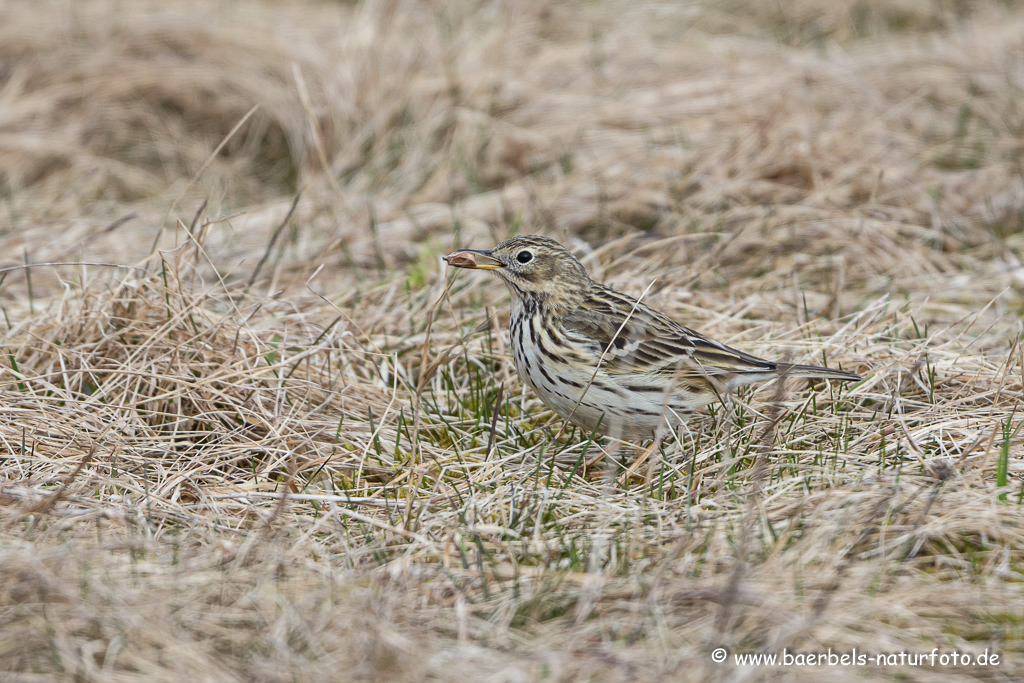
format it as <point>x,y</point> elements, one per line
<point>643,389</point>
<point>556,357</point>
<point>543,371</point>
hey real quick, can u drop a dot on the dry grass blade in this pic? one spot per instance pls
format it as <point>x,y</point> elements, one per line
<point>201,478</point>
<point>45,505</point>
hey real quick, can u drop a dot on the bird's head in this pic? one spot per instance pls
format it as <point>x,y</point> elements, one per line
<point>535,268</point>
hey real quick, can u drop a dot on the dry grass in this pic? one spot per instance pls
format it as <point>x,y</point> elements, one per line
<point>272,448</point>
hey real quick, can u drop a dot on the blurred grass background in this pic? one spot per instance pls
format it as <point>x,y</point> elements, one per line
<point>833,180</point>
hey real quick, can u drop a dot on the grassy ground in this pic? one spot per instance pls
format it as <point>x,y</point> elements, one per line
<point>273,439</point>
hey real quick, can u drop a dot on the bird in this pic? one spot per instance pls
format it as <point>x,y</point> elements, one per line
<point>605,361</point>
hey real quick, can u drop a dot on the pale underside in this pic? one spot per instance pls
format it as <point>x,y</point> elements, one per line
<point>623,406</point>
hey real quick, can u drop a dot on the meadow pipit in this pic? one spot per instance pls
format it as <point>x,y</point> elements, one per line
<point>603,359</point>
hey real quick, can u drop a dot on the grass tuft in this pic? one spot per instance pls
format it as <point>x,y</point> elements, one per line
<point>275,439</point>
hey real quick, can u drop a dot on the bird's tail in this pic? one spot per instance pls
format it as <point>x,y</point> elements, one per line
<point>788,370</point>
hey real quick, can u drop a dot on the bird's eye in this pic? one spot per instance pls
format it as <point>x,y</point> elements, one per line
<point>524,256</point>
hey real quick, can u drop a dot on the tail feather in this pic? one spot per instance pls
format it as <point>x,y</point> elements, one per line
<point>785,369</point>
<point>789,370</point>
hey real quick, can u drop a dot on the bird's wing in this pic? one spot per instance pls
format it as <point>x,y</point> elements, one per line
<point>649,342</point>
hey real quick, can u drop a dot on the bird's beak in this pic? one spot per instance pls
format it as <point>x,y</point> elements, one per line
<point>471,258</point>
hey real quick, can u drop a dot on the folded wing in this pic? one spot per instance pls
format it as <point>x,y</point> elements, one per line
<point>636,339</point>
